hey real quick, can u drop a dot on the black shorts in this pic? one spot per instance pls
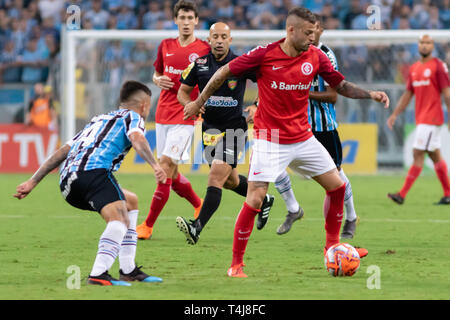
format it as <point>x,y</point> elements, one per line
<point>226,145</point>
<point>331,141</point>
<point>91,190</point>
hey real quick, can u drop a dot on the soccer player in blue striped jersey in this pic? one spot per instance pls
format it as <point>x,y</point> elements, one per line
<point>322,117</point>
<point>87,182</point>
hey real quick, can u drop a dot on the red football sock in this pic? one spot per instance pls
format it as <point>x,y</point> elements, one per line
<point>413,174</point>
<point>159,200</point>
<point>333,210</point>
<point>183,188</point>
<point>242,231</point>
<point>442,173</point>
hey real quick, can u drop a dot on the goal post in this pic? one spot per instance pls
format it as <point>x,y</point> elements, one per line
<point>373,59</point>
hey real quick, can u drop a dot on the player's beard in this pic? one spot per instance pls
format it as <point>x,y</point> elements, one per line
<point>425,54</point>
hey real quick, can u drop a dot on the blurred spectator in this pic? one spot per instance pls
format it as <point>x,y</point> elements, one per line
<point>265,21</point>
<point>17,34</point>
<point>48,28</point>
<point>352,13</point>
<point>9,67</point>
<point>97,15</point>
<point>225,9</point>
<point>434,22</point>
<point>150,19</point>
<point>126,19</point>
<point>420,15</point>
<point>51,8</point>
<point>444,13</point>
<point>361,20</point>
<point>257,8</point>
<point>140,63</point>
<point>240,22</point>
<point>399,17</point>
<point>34,62</point>
<point>41,112</point>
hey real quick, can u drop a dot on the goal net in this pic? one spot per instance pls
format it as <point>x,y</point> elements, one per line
<point>96,62</point>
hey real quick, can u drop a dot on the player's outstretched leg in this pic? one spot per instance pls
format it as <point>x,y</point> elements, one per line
<point>244,226</point>
<point>440,166</point>
<point>351,219</point>
<point>267,205</point>
<point>159,200</point>
<point>291,217</point>
<point>413,173</point>
<point>295,212</point>
<point>182,186</point>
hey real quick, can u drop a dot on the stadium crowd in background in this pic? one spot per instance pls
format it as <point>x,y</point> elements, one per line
<point>30,29</point>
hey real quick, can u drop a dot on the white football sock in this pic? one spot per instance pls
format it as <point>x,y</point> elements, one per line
<point>108,247</point>
<point>127,253</point>
<point>284,187</point>
<point>348,199</point>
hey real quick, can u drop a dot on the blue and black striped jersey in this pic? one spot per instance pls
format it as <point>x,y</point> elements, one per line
<point>103,143</point>
<point>322,115</point>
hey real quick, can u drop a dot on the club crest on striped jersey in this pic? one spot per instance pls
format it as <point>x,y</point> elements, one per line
<point>307,68</point>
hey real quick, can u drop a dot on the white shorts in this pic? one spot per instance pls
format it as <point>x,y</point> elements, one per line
<point>308,158</point>
<point>174,141</point>
<point>427,137</point>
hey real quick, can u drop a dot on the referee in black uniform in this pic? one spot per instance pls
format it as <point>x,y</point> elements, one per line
<point>224,129</point>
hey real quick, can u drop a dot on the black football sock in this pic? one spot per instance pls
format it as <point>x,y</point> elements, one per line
<point>241,189</point>
<point>210,205</point>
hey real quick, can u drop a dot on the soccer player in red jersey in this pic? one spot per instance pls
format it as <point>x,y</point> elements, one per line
<point>428,79</point>
<point>282,132</point>
<point>173,133</point>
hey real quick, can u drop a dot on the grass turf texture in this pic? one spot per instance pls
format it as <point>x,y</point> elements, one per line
<point>41,236</point>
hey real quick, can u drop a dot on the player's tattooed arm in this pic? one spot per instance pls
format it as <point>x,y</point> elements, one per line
<point>216,81</point>
<point>351,90</point>
<point>48,166</point>
<point>51,163</point>
<point>140,144</point>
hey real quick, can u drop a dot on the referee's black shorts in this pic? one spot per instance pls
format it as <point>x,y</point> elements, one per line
<point>229,145</point>
<point>91,190</point>
<point>331,141</point>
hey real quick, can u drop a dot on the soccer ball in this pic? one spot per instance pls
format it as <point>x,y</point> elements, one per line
<point>341,260</point>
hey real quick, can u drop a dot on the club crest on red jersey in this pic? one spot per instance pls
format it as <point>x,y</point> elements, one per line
<point>193,57</point>
<point>307,68</point>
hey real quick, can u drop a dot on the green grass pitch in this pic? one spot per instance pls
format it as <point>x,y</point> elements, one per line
<point>41,237</point>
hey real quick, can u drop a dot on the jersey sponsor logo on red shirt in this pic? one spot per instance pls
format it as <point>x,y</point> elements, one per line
<point>288,87</point>
<point>170,69</point>
<point>307,68</point>
<point>421,83</point>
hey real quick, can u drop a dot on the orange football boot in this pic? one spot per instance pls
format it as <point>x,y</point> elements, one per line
<point>237,271</point>
<point>143,231</point>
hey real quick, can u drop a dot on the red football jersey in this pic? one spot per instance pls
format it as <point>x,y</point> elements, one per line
<point>426,81</point>
<point>171,61</point>
<point>283,89</point>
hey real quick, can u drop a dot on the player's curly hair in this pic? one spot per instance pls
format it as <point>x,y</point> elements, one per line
<point>185,6</point>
